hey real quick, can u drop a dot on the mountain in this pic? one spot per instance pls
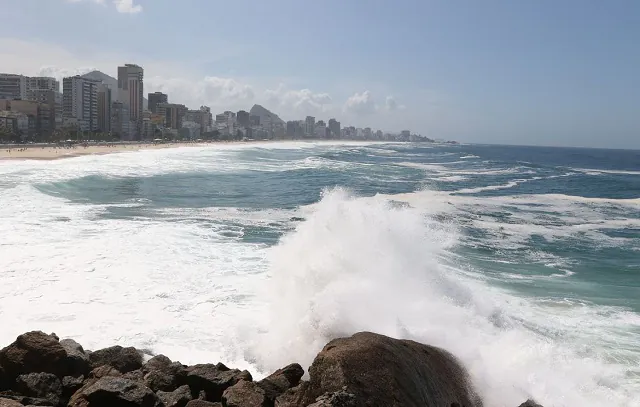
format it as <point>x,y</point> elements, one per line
<point>265,115</point>
<point>112,83</point>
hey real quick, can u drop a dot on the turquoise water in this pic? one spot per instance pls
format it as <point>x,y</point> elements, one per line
<point>524,261</point>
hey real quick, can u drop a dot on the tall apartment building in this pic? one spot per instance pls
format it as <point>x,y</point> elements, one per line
<point>131,93</point>
<point>334,127</point>
<point>156,98</point>
<point>243,118</point>
<point>42,82</point>
<point>173,114</point>
<point>13,86</point>
<point>49,113</point>
<point>310,126</point>
<point>104,108</point>
<point>80,102</point>
<point>120,120</point>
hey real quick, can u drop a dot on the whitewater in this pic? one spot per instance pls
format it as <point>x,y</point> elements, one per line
<point>524,262</point>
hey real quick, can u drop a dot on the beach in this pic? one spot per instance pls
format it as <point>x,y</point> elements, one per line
<point>54,152</point>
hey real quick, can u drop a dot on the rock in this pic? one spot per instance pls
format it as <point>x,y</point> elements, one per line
<point>177,398</point>
<point>9,403</point>
<point>245,394</point>
<point>135,375</point>
<point>45,386</point>
<point>166,378</point>
<point>113,392</point>
<point>338,399</point>
<point>156,363</point>
<point>104,371</point>
<point>389,372</point>
<point>281,380</point>
<point>292,397</point>
<point>24,400</point>
<point>122,359</point>
<point>212,380</point>
<point>70,385</point>
<point>33,352</point>
<point>202,403</point>
<point>530,403</point>
<point>77,358</point>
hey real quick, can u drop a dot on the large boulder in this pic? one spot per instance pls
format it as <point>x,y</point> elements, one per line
<point>177,398</point>
<point>77,358</point>
<point>213,380</point>
<point>281,380</point>
<point>293,397</point>
<point>382,371</point>
<point>339,399</point>
<point>113,392</point>
<point>33,352</point>
<point>530,403</point>
<point>156,363</point>
<point>45,386</point>
<point>123,359</point>
<point>9,403</point>
<point>245,394</point>
<point>166,377</point>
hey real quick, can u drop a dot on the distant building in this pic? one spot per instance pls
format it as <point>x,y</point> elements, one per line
<point>405,134</point>
<point>334,127</point>
<point>368,133</point>
<point>26,113</point>
<point>174,114</point>
<point>156,98</point>
<point>255,120</point>
<point>49,112</point>
<point>80,102</point>
<point>104,108</point>
<point>379,135</point>
<point>243,118</point>
<point>131,93</point>
<point>120,120</point>
<point>42,82</point>
<point>310,126</point>
<point>321,129</point>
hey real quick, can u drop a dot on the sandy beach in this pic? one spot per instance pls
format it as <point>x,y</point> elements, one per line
<point>50,152</point>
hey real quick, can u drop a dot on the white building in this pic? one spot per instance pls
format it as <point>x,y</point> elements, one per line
<point>42,82</point>
<point>80,102</point>
<point>131,93</point>
<point>13,86</point>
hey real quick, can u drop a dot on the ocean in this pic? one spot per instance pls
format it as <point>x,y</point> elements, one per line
<point>522,261</point>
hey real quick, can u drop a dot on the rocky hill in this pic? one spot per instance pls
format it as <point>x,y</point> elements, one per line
<point>266,116</point>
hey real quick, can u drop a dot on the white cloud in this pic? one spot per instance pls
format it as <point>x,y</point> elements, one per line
<point>391,104</point>
<point>298,102</point>
<point>361,104</point>
<point>122,6</point>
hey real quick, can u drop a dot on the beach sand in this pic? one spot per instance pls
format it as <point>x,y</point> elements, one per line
<point>53,153</point>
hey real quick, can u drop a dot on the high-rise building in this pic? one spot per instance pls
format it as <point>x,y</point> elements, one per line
<point>13,86</point>
<point>367,133</point>
<point>334,127</point>
<point>310,126</point>
<point>131,93</point>
<point>155,98</point>
<point>49,101</point>
<point>80,102</point>
<point>174,114</point>
<point>243,118</point>
<point>27,114</point>
<point>255,120</point>
<point>42,82</point>
<point>104,108</point>
<point>120,120</point>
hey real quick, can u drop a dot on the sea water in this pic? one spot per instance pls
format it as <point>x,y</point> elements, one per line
<point>522,261</point>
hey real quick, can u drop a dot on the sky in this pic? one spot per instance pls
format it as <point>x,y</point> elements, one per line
<point>543,72</point>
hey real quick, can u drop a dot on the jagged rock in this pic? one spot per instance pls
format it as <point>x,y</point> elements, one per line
<point>166,378</point>
<point>70,385</point>
<point>337,399</point>
<point>177,398</point>
<point>212,380</point>
<point>292,397</point>
<point>40,385</point>
<point>9,403</point>
<point>202,403</point>
<point>391,372</point>
<point>135,375</point>
<point>156,363</point>
<point>281,380</point>
<point>25,400</point>
<point>104,371</point>
<point>122,359</point>
<point>113,392</point>
<point>530,403</point>
<point>33,352</point>
<point>245,394</point>
<point>77,358</point>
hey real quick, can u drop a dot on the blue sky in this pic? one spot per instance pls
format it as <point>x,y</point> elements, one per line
<point>563,72</point>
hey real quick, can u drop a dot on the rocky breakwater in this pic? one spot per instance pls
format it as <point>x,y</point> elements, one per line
<point>364,370</point>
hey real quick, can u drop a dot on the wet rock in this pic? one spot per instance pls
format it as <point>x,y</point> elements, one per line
<point>114,392</point>
<point>245,394</point>
<point>45,386</point>
<point>337,399</point>
<point>122,359</point>
<point>135,375</point>
<point>166,377</point>
<point>387,371</point>
<point>156,363</point>
<point>281,380</point>
<point>104,371</point>
<point>177,398</point>
<point>77,359</point>
<point>33,352</point>
<point>212,380</point>
<point>530,403</point>
<point>293,397</point>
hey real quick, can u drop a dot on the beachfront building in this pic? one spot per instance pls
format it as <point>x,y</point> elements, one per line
<point>80,102</point>
<point>155,99</point>
<point>104,108</point>
<point>131,93</point>
<point>13,86</point>
<point>173,113</point>
<point>120,120</point>
<point>334,127</point>
<point>310,126</point>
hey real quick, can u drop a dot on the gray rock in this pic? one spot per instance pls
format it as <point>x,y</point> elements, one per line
<point>114,392</point>
<point>70,385</point>
<point>45,386</point>
<point>122,359</point>
<point>212,380</point>
<point>177,398</point>
<point>281,380</point>
<point>337,399</point>
<point>166,378</point>
<point>77,358</point>
<point>155,363</point>
<point>245,394</point>
<point>202,403</point>
<point>292,397</point>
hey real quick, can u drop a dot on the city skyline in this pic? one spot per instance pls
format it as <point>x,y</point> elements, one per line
<point>506,72</point>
